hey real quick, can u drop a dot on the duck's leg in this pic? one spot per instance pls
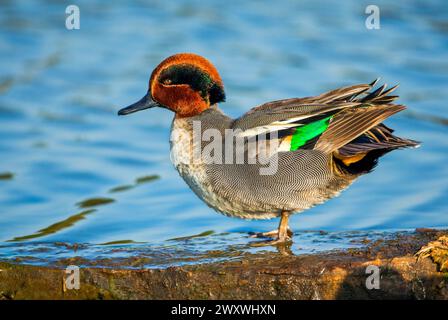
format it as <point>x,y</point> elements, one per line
<point>282,234</point>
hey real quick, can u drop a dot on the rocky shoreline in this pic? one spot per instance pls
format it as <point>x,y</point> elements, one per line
<point>331,275</point>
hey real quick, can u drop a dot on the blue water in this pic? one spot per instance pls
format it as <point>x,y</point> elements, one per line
<point>61,142</point>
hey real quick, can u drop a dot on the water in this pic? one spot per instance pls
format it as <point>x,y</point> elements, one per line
<point>71,171</point>
<point>181,251</point>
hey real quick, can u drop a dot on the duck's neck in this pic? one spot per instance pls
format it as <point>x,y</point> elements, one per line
<point>189,131</point>
<point>194,111</point>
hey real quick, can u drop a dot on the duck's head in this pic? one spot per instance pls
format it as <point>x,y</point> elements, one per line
<point>185,83</point>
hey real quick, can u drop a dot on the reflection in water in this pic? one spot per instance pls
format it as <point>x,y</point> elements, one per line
<point>117,242</point>
<point>6,176</point>
<point>30,73</point>
<point>427,117</point>
<point>139,180</point>
<point>146,179</point>
<point>122,188</point>
<point>58,226</point>
<point>213,248</point>
<point>87,203</point>
<point>199,235</point>
<point>93,202</point>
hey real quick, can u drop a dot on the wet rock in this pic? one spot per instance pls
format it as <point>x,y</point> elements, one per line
<point>437,251</point>
<point>332,275</point>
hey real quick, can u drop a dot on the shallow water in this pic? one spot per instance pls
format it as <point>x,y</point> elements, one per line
<point>207,247</point>
<point>71,171</point>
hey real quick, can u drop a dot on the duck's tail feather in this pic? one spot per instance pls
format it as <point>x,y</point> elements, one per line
<point>361,155</point>
<point>379,137</point>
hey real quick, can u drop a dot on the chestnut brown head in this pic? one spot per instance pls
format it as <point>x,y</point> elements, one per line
<point>185,83</point>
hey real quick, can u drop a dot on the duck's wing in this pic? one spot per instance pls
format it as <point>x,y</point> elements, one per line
<point>326,122</point>
<point>347,126</point>
<point>290,113</point>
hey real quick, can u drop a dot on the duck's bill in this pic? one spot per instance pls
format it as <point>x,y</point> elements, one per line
<point>144,103</point>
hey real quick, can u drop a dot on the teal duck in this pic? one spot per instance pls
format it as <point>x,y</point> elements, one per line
<point>320,144</point>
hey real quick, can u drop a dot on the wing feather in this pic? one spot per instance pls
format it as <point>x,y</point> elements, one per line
<point>345,127</point>
<point>354,110</point>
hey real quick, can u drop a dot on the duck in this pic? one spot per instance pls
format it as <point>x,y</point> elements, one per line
<point>309,149</point>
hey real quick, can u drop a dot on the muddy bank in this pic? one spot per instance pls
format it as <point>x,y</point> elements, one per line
<point>331,275</point>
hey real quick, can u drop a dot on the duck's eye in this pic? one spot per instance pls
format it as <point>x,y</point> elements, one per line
<point>167,81</point>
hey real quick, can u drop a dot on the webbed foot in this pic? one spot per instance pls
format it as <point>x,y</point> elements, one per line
<point>281,235</point>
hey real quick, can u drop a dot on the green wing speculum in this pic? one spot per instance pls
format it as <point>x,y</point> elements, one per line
<point>308,132</point>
